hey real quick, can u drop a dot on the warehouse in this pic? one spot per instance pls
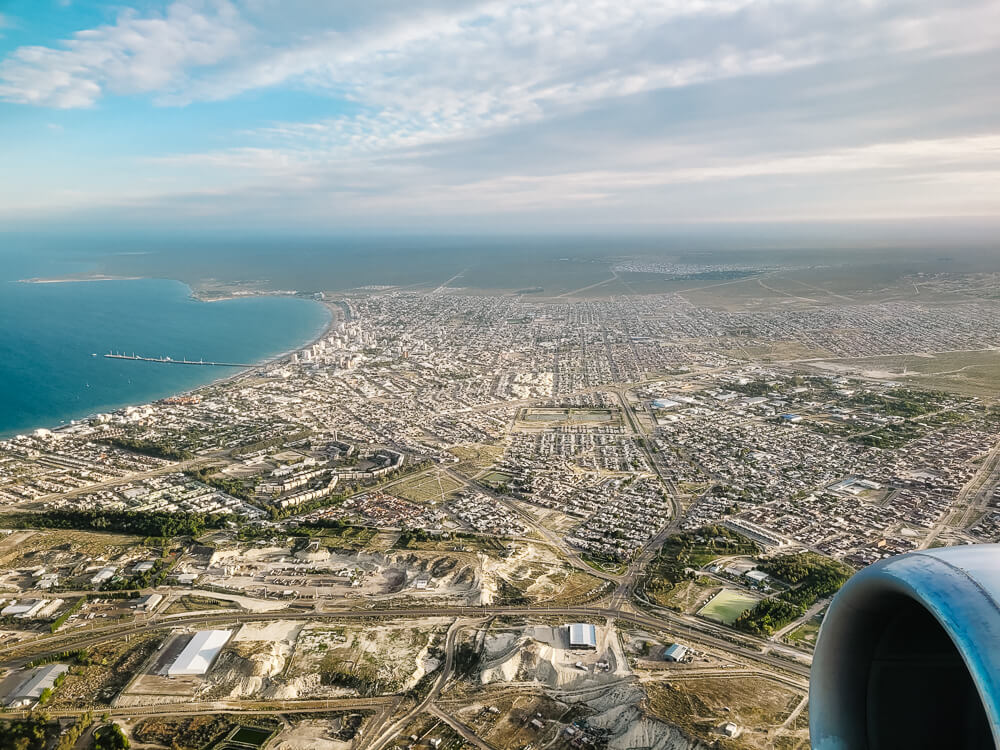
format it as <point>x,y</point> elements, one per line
<point>582,635</point>
<point>44,678</point>
<point>199,653</point>
<point>676,652</point>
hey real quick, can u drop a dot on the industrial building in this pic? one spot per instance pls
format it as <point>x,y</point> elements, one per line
<point>148,603</point>
<point>23,609</point>
<point>104,574</point>
<point>199,653</point>
<point>675,652</point>
<point>30,691</point>
<point>582,635</point>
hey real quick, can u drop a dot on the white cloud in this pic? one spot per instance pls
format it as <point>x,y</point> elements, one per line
<point>456,74</point>
<point>466,106</point>
<point>134,55</point>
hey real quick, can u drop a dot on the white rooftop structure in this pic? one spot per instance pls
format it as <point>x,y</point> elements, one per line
<point>665,403</point>
<point>149,602</point>
<point>200,652</point>
<point>31,689</point>
<point>104,574</point>
<point>23,609</point>
<point>582,635</point>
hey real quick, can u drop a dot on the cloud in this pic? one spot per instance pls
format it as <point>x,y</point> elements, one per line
<point>642,110</point>
<point>450,73</point>
<point>134,55</point>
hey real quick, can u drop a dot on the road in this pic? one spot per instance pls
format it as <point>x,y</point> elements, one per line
<point>382,739</point>
<point>691,630</point>
<point>227,706</point>
<point>466,733</point>
<point>972,499</point>
<point>550,538</point>
<point>173,468</point>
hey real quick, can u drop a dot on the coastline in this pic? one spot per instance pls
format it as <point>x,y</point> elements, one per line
<point>334,316</point>
<point>271,361</point>
<point>77,279</point>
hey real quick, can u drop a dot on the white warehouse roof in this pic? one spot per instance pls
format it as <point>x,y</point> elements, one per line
<point>582,634</point>
<point>200,652</point>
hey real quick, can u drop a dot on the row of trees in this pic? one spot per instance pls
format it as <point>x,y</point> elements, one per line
<point>149,448</point>
<point>148,524</point>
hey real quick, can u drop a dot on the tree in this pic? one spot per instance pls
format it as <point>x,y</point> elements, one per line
<point>110,737</point>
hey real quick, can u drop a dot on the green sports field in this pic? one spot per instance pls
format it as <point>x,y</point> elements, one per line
<point>727,605</point>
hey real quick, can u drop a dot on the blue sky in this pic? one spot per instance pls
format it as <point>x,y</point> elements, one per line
<point>496,113</point>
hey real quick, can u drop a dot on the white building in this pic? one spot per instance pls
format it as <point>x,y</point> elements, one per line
<point>198,655</point>
<point>148,603</point>
<point>582,635</point>
<point>104,574</point>
<point>31,689</point>
<point>23,609</point>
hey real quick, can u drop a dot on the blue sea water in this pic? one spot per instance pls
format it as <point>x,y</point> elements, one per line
<point>49,332</point>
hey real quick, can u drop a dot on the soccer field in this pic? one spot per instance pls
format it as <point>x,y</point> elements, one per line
<point>727,605</point>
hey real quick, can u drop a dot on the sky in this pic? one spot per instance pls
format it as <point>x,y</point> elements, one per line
<point>329,114</point>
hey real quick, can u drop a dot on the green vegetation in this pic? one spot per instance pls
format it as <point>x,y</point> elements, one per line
<point>144,579</point>
<point>412,536</point>
<point>812,577</point>
<point>888,436</point>
<point>150,524</point>
<point>700,546</point>
<point>79,656</point>
<point>110,737</point>
<point>902,403</point>
<point>691,549</point>
<point>33,733</point>
<point>61,619</point>
<point>243,489</point>
<point>69,738</point>
<point>149,448</point>
<point>768,615</point>
<point>753,388</point>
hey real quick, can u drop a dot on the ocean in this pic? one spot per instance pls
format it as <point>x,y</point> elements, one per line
<point>49,333</point>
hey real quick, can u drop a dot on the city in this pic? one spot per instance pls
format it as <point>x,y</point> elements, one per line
<point>499,520</point>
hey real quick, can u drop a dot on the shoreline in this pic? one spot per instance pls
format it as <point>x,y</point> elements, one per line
<point>270,361</point>
<point>77,279</point>
<point>334,316</point>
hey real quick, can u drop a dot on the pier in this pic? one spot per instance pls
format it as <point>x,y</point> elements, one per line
<point>171,361</point>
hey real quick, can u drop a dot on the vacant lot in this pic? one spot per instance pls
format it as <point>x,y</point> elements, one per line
<point>688,595</point>
<point>475,457</point>
<point>194,603</point>
<point>700,705</point>
<point>976,373</point>
<point>433,486</point>
<point>111,666</point>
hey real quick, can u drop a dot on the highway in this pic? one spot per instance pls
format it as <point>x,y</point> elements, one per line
<point>663,620</point>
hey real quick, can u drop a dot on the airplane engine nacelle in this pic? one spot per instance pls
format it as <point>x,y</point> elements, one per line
<point>909,655</point>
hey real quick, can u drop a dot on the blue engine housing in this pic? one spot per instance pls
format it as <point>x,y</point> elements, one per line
<point>908,655</point>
